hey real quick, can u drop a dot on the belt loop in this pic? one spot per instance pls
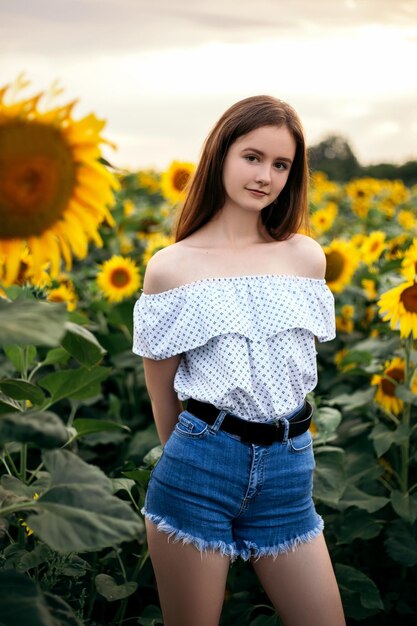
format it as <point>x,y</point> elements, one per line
<point>286,424</point>
<point>217,424</point>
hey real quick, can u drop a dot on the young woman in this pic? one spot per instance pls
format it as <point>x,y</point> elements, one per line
<point>227,321</point>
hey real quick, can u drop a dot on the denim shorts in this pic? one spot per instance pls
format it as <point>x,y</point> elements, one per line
<point>218,493</point>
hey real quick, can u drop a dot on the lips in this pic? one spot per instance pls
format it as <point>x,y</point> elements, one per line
<point>257,192</point>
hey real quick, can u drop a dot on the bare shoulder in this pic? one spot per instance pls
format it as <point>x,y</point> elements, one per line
<point>165,269</point>
<point>309,255</point>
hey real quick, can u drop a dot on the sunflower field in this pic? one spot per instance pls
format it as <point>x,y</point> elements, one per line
<point>77,439</point>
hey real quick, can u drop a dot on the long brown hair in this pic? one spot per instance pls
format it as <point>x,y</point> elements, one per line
<point>206,195</point>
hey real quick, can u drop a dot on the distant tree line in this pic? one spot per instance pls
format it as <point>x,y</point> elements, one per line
<point>335,157</point>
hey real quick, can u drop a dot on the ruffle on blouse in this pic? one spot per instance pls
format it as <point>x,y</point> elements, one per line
<point>257,307</point>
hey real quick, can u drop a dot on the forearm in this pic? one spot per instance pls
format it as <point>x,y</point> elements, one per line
<point>165,412</point>
<point>159,377</point>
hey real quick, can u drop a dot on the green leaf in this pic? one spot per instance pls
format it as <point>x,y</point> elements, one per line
<point>359,593</point>
<point>140,476</point>
<point>356,524</point>
<point>56,355</point>
<point>40,554</point>
<point>27,322</point>
<point>326,420</point>
<point>361,464</point>
<point>383,437</point>
<point>82,345</point>
<point>401,543</point>
<point>78,384</point>
<point>122,484</point>
<point>329,476</point>
<point>356,497</point>
<point>78,513</point>
<point>107,587</point>
<point>86,426</point>
<point>405,505</point>
<point>22,390</point>
<point>153,456</point>
<point>405,394</point>
<point>352,401</point>
<point>8,404</point>
<point>17,486</point>
<point>76,567</point>
<point>15,355</point>
<point>141,442</point>
<point>43,428</point>
<point>151,616</point>
<point>22,603</point>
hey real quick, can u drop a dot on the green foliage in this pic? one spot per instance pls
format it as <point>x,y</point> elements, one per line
<point>78,443</point>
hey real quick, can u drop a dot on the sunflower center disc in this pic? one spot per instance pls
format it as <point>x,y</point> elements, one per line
<point>180,179</point>
<point>387,386</point>
<point>37,176</point>
<point>409,298</point>
<point>119,278</point>
<point>335,263</point>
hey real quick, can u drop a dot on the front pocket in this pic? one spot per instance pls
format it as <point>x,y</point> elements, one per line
<point>301,443</point>
<point>190,426</point>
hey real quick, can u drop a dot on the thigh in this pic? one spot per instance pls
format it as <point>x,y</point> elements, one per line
<point>302,586</point>
<point>190,584</point>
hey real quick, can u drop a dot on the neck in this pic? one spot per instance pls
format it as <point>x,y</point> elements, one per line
<point>237,229</point>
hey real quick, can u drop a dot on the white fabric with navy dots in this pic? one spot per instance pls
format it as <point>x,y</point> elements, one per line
<point>247,342</point>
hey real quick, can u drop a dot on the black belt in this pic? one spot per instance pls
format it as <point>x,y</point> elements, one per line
<point>253,432</point>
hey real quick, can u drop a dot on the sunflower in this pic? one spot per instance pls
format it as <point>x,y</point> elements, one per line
<point>341,360</point>
<point>409,262</point>
<point>362,192</point>
<point>369,287</point>
<point>344,324</point>
<point>148,180</point>
<point>322,189</point>
<point>399,307</point>
<point>174,181</point>
<point>342,261</point>
<point>54,192</point>
<point>373,247</point>
<point>118,278</point>
<point>396,246</point>
<point>155,242</point>
<point>322,219</point>
<point>407,219</point>
<point>394,374</point>
<point>64,293</point>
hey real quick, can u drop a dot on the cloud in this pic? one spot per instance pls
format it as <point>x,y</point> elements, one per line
<point>67,27</point>
<point>162,72</point>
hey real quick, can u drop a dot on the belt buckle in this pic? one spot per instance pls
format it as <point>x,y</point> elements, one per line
<point>283,426</point>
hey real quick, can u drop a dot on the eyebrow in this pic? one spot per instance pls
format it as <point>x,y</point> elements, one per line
<point>263,154</point>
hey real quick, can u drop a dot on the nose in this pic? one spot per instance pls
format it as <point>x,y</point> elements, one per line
<point>263,175</point>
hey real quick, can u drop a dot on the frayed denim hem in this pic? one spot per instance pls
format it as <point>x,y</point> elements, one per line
<point>250,551</point>
<point>202,546</point>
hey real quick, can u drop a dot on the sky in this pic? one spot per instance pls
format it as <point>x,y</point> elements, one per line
<point>162,72</point>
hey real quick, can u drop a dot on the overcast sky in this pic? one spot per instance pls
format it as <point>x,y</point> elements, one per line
<point>162,72</point>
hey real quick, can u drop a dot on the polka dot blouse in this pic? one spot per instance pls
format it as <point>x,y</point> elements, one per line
<point>247,342</point>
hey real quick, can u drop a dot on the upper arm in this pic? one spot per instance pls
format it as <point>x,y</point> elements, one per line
<point>310,257</point>
<point>160,374</point>
<point>162,271</point>
<point>159,276</point>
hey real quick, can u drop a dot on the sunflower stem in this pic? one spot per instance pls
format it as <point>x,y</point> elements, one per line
<point>12,508</point>
<point>23,461</point>
<point>405,446</point>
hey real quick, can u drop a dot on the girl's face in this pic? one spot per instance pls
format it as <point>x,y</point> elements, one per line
<point>257,166</point>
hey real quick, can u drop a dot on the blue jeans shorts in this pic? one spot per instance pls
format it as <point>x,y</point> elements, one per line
<point>218,493</point>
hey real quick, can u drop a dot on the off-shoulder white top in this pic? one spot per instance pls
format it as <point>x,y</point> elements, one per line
<point>247,342</point>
